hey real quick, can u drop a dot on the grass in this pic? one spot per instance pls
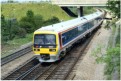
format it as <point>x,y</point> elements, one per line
<point>111,37</point>
<point>18,10</point>
<point>86,10</point>
<point>89,10</point>
<point>118,37</point>
<point>14,44</point>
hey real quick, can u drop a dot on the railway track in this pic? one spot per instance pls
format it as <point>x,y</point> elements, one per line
<point>16,54</point>
<point>22,70</point>
<point>33,70</point>
<point>36,72</point>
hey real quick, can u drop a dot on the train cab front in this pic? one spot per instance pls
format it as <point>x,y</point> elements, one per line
<point>45,47</point>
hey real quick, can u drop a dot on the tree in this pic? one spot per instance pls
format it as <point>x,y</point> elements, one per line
<point>4,31</point>
<point>27,26</point>
<point>114,6</point>
<point>51,21</point>
<point>28,22</point>
<point>38,20</point>
<point>10,1</point>
<point>54,20</point>
<point>30,14</point>
<point>8,28</point>
<point>20,32</point>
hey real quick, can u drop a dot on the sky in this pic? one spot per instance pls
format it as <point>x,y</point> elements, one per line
<point>25,0</point>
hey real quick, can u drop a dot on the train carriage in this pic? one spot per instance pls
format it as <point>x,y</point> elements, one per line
<point>52,42</point>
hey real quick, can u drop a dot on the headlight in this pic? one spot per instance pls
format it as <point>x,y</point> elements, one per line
<point>38,49</point>
<point>34,49</point>
<point>52,50</point>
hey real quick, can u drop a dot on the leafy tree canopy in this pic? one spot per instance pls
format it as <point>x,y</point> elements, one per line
<point>30,13</point>
<point>114,6</point>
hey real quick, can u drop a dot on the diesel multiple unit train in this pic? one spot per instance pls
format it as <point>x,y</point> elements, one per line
<point>52,42</point>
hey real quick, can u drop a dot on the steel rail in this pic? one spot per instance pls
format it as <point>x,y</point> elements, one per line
<point>16,54</point>
<point>22,69</point>
<point>37,71</point>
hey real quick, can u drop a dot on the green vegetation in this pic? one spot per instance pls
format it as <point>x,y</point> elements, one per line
<point>114,7</point>
<point>112,60</point>
<point>47,11</point>
<point>112,56</point>
<point>19,21</point>
<point>87,10</point>
<point>30,22</point>
<point>14,44</point>
<point>12,28</point>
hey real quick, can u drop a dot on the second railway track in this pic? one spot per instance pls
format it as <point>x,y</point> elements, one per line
<point>18,72</point>
<point>16,54</point>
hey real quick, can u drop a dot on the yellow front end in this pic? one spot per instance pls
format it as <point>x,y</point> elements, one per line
<point>46,52</point>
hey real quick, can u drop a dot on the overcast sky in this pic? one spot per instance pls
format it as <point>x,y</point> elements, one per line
<point>25,0</point>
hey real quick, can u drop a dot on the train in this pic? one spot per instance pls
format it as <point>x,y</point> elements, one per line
<point>50,43</point>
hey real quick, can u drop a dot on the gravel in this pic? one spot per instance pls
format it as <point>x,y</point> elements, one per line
<point>88,68</point>
<point>7,68</point>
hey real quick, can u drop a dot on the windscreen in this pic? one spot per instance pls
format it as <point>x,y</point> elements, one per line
<point>44,39</point>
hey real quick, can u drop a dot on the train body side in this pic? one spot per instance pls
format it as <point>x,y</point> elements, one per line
<point>69,37</point>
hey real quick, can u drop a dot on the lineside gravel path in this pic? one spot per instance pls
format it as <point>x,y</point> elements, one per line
<point>87,68</point>
<point>7,68</point>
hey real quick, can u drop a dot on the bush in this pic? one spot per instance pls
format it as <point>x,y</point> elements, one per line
<point>38,21</point>
<point>31,22</point>
<point>53,20</point>
<point>28,22</point>
<point>4,33</point>
<point>112,59</point>
<point>8,28</point>
<point>21,33</point>
<point>30,14</point>
<point>27,26</point>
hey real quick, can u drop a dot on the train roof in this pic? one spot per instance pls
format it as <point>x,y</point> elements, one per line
<point>59,27</point>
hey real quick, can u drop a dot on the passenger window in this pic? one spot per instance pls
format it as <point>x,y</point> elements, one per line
<point>63,39</point>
